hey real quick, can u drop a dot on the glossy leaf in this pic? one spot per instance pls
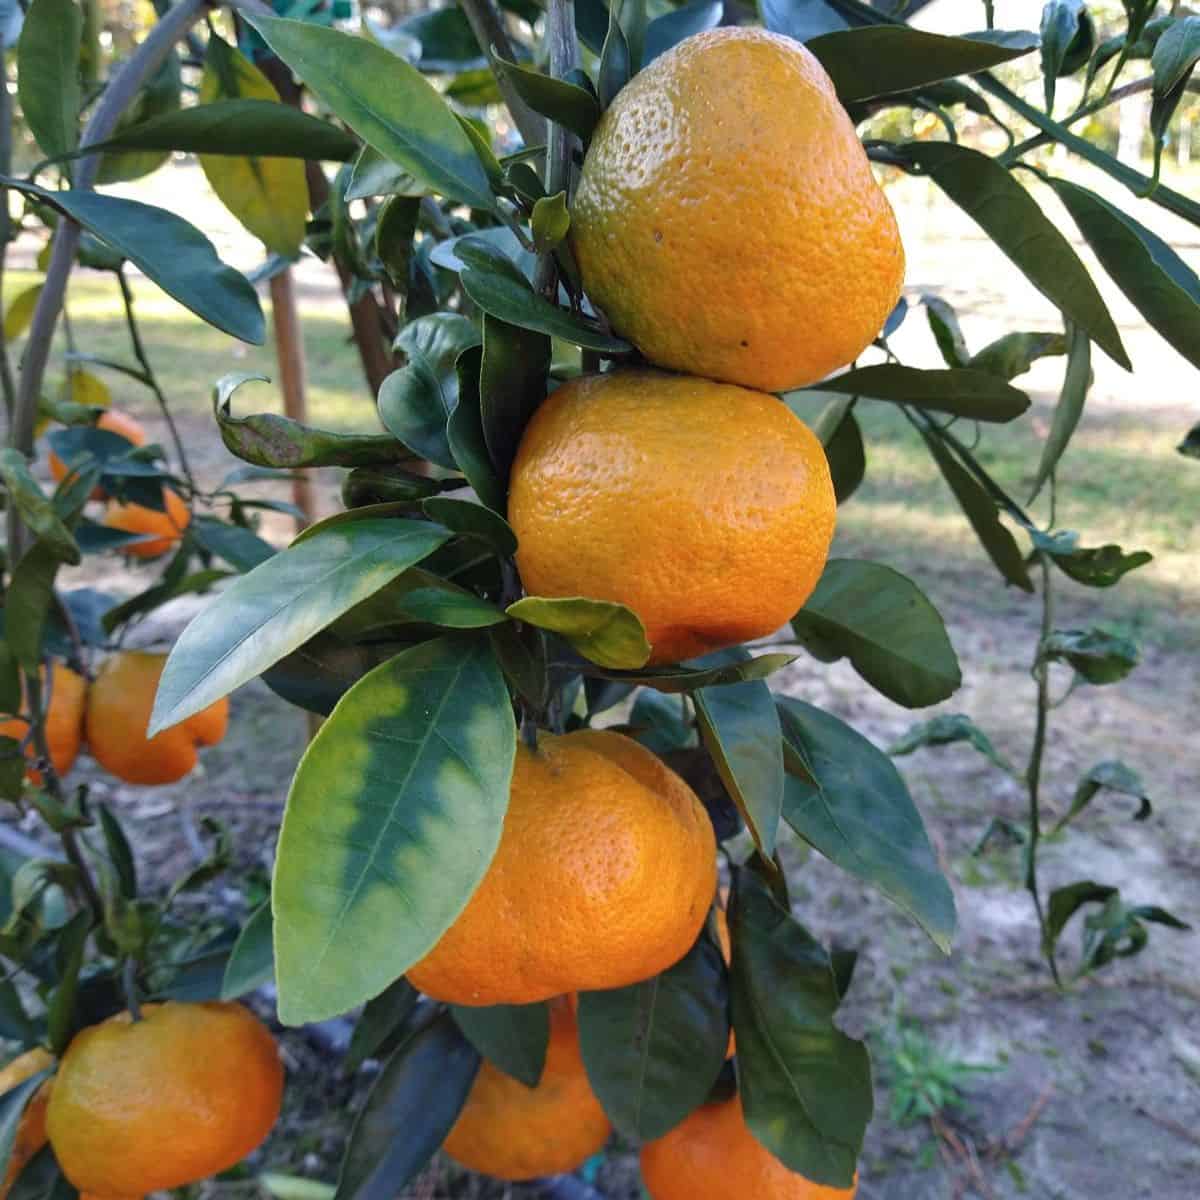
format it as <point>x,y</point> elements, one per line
<point>386,102</point>
<point>385,1019</point>
<point>375,175</point>
<point>414,409</point>
<point>513,1037</point>
<point>469,519</point>
<point>513,381</point>
<point>1011,217</point>
<point>846,798</point>
<point>25,495</point>
<point>1097,656</point>
<point>237,546</point>
<point>12,1108</point>
<point>570,105</point>
<point>494,282</point>
<point>657,721</point>
<point>980,510</point>
<point>411,1108</point>
<point>886,626</point>
<point>271,611</point>
<point>842,438</point>
<point>393,817</point>
<point>1159,284</point>
<point>876,60</point>
<point>1014,353</point>
<point>61,1022</point>
<point>465,435</point>
<point>1066,901</point>
<point>740,727</point>
<point>20,311</point>
<point>1101,567</point>
<point>1175,57</point>
<point>654,1050</point>
<point>120,853</point>
<point>960,391</point>
<point>316,675</point>
<point>269,196</point>
<point>48,74</point>
<point>1110,775</point>
<point>800,19</point>
<point>947,332</point>
<point>805,1086</point>
<point>386,485</point>
<point>30,592</point>
<point>604,632</point>
<point>168,250</point>
<point>673,26</point>
<point>1076,381</point>
<point>1060,28</point>
<point>616,63</point>
<point>251,962</point>
<point>689,678</point>
<point>943,730</point>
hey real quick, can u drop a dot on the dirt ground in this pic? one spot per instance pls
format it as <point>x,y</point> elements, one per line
<point>1093,1093</point>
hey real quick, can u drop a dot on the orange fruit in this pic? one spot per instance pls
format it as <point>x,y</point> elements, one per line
<point>713,1155</point>
<point>64,721</point>
<point>516,1132</point>
<point>604,875</point>
<point>118,712</point>
<point>114,421</point>
<point>31,1130</point>
<point>706,508</point>
<point>727,219</point>
<point>185,1092</point>
<point>168,527</point>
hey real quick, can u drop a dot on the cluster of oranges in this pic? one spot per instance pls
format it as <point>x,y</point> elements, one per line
<point>135,1106</point>
<point>111,714</point>
<point>159,531</point>
<point>701,502</point>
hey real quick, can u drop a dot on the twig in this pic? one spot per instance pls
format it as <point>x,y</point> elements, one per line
<point>6,121</point>
<point>1168,1123</point>
<point>1012,1142</point>
<point>486,24</point>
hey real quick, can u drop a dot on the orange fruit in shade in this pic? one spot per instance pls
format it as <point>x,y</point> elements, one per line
<point>166,527</point>
<point>114,421</point>
<point>727,219</point>
<point>64,721</point>
<point>118,713</point>
<point>516,1132</point>
<point>713,1155</point>
<point>31,1129</point>
<point>604,875</point>
<point>187,1091</point>
<point>708,509</point>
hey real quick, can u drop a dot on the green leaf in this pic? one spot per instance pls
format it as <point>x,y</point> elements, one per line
<point>414,409</point>
<point>374,175</point>
<point>10,680</point>
<point>464,432</point>
<point>61,1023</point>
<point>469,519</point>
<point>676,24</point>
<point>616,65</point>
<point>1066,901</point>
<point>393,817</point>
<point>687,679</point>
<point>12,1108</point>
<point>411,1108</point>
<point>48,74</point>
<point>1174,59</point>
<point>268,195</point>
<point>30,592</point>
<point>237,546</point>
<point>1113,776</point>
<point>740,728</point>
<point>386,485</point>
<point>960,391</point>
<point>25,495</point>
<point>440,338</point>
<point>944,729</point>
<point>981,511</point>
<point>120,853</point>
<point>450,607</point>
<point>657,722</point>
<point>161,93</point>
<point>386,102</point>
<point>880,620</point>
<point>1011,217</point>
<point>269,440</point>
<point>495,283</point>
<point>247,127</point>
<point>251,962</point>
<point>847,457</point>
<point>549,222</point>
<point>943,323</point>
<point>168,250</point>
<point>270,611</point>
<point>845,797</point>
<point>446,43</point>
<point>513,1037</point>
<point>654,1050</point>
<point>1101,567</point>
<point>876,60</point>
<point>571,106</point>
<point>603,631</point>
<point>805,1086</point>
<point>1077,379</point>
<point>513,382</point>
<point>1014,353</point>
<point>1097,656</point>
<point>1060,28</point>
<point>1158,283</point>
<point>384,1020</point>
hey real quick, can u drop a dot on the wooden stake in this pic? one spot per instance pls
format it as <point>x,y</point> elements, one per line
<point>289,350</point>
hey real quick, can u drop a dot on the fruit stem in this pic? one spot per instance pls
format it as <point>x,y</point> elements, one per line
<point>129,985</point>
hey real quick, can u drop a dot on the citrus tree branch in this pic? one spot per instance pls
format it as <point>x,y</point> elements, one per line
<point>485,22</point>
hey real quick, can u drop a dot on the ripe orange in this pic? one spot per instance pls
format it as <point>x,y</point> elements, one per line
<point>713,1155</point>
<point>114,421</point>
<point>168,526</point>
<point>727,219</point>
<point>118,711</point>
<point>605,872</point>
<point>31,1130</point>
<point>706,508</point>
<point>64,721</point>
<point>515,1132</point>
<point>185,1092</point>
